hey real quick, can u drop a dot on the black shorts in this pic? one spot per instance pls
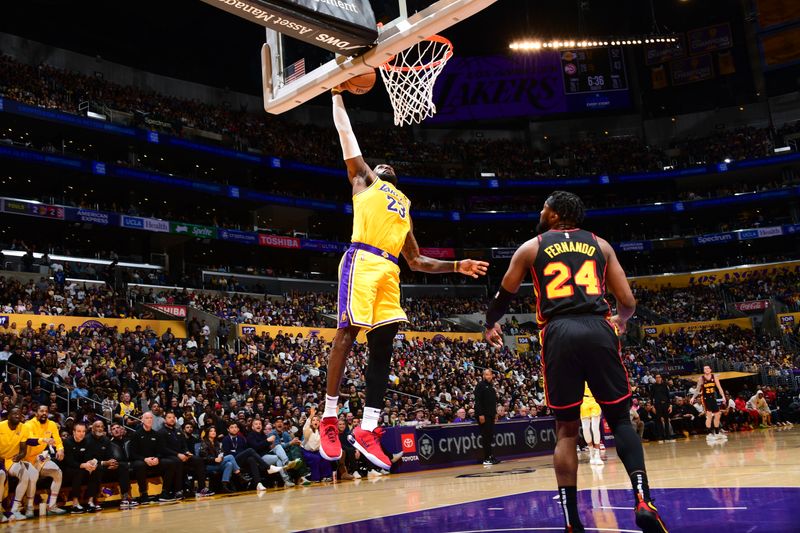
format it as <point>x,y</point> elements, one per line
<point>711,405</point>
<point>578,349</point>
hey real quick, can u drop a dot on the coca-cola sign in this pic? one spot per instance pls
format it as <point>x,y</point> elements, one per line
<point>752,306</point>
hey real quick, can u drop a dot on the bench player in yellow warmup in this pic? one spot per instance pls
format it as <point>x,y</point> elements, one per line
<point>590,422</point>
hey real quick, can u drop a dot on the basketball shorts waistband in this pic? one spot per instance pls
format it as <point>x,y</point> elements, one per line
<point>375,251</point>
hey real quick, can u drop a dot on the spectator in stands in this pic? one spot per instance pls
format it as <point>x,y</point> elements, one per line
<point>321,469</point>
<point>125,411</point>
<point>647,414</point>
<point>684,417</point>
<point>758,403</point>
<point>216,460</point>
<point>236,445</point>
<point>461,416</point>
<point>636,419</point>
<point>659,393</point>
<point>274,455</point>
<point>147,451</point>
<point>81,467</point>
<point>176,449</point>
<point>120,448</point>
<point>753,418</point>
<point>46,433</point>
<point>113,466</point>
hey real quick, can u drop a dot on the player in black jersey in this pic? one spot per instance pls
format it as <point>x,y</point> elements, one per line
<point>707,386</point>
<point>571,268</point>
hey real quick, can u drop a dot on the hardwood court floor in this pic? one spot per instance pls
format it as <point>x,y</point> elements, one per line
<point>751,483</point>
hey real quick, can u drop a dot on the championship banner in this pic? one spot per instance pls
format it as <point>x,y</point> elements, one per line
<point>711,277</point>
<point>442,446</point>
<point>692,69</point>
<point>328,334</point>
<point>788,321</point>
<point>656,53</point>
<point>752,306</point>
<point>160,327</point>
<point>716,37</point>
<point>347,27</point>
<point>179,311</point>
<point>743,323</point>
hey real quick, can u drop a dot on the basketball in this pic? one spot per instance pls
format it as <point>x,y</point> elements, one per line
<point>360,84</point>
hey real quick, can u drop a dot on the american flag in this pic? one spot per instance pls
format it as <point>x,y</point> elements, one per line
<point>295,70</point>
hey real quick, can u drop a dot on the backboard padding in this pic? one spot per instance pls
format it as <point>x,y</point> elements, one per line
<point>395,36</point>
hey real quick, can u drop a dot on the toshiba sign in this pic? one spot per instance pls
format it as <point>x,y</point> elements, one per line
<point>276,241</point>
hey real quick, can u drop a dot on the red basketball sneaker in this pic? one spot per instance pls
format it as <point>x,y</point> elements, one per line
<point>331,448</point>
<point>647,518</point>
<point>369,444</point>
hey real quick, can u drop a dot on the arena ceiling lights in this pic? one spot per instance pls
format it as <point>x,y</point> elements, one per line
<point>533,45</point>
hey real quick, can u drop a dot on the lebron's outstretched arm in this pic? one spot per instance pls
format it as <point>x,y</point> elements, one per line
<point>422,263</point>
<point>358,172</point>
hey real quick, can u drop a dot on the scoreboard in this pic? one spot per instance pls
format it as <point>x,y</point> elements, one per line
<point>593,70</point>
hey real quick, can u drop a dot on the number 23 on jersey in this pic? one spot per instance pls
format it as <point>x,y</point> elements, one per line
<point>561,286</point>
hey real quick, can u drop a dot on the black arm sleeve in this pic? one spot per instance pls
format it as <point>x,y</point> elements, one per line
<point>498,306</point>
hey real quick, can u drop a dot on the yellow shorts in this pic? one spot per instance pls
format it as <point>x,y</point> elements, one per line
<point>590,409</point>
<point>369,290</point>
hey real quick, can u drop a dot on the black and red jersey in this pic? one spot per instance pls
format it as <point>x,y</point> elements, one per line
<point>569,275</point>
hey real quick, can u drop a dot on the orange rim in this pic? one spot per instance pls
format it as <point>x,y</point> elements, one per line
<point>434,38</point>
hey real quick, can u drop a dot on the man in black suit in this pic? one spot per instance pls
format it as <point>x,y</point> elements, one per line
<point>486,410</point>
<point>177,451</point>
<point>148,452</point>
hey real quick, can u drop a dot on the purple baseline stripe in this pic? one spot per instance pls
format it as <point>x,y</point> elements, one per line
<point>766,510</point>
<point>344,288</point>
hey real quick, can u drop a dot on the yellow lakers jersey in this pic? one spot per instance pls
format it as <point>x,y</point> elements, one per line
<point>10,440</point>
<point>381,217</point>
<point>36,430</point>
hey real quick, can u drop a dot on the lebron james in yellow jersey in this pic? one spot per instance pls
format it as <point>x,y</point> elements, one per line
<point>369,288</point>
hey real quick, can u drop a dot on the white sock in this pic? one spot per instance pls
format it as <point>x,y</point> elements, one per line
<point>370,420</point>
<point>52,499</point>
<point>331,406</point>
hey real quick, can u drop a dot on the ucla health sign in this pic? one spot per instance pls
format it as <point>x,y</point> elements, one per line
<point>146,224</point>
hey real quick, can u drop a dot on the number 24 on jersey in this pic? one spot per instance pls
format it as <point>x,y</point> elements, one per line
<point>561,287</point>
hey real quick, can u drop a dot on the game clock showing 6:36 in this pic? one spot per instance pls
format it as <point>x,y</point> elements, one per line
<point>593,70</point>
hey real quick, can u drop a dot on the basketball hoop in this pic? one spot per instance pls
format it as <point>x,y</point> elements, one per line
<point>409,78</point>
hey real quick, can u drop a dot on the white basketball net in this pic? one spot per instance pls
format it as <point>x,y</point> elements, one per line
<point>409,78</point>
